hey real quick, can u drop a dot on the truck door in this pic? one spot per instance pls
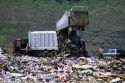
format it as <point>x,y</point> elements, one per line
<point>16,46</point>
<point>19,45</point>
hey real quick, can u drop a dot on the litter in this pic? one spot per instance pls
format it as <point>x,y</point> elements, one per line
<point>59,69</point>
<point>115,80</point>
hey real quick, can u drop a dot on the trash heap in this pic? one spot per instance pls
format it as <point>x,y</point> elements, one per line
<point>60,69</point>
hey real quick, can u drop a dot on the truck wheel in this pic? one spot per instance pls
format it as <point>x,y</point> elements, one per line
<point>53,53</point>
<point>45,53</point>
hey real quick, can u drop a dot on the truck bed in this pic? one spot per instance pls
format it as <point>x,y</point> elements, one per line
<point>76,17</point>
<point>41,40</point>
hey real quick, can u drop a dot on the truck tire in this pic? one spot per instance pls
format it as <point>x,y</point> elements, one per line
<point>53,53</point>
<point>45,53</point>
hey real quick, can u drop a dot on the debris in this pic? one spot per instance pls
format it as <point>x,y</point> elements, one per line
<point>1,51</point>
<point>115,80</point>
<point>82,66</point>
<point>60,69</point>
<point>16,74</point>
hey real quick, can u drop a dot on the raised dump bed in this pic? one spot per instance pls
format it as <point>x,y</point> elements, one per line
<point>76,17</point>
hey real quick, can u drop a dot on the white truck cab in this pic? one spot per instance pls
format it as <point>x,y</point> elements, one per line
<point>111,52</point>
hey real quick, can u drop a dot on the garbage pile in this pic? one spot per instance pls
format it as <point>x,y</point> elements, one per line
<point>61,69</point>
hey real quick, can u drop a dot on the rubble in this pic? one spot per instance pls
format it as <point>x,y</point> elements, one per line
<point>2,53</point>
<point>21,69</point>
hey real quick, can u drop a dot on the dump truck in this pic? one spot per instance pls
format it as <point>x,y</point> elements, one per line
<point>74,19</point>
<point>38,43</point>
<point>64,39</point>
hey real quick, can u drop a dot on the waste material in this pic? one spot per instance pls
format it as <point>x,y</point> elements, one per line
<point>23,69</point>
<point>115,80</point>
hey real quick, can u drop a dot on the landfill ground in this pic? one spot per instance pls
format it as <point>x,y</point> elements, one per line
<point>61,69</point>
